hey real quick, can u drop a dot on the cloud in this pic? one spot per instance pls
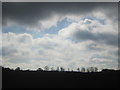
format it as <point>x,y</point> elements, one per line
<point>91,30</point>
<point>36,16</point>
<point>90,39</point>
<point>52,51</point>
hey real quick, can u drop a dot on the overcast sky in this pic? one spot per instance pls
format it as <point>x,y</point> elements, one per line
<point>70,35</point>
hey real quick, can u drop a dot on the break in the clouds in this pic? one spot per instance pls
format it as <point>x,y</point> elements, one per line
<point>44,15</point>
<point>91,30</point>
<point>70,35</point>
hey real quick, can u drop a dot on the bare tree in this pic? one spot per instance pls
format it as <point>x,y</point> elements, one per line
<point>82,69</point>
<point>88,70</point>
<point>68,69</point>
<point>58,69</point>
<point>52,68</point>
<point>46,68</point>
<point>91,69</point>
<point>78,69</point>
<point>96,69</point>
<point>39,69</point>
<point>17,69</point>
<point>62,69</point>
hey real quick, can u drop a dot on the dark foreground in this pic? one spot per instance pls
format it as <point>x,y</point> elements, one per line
<point>45,79</point>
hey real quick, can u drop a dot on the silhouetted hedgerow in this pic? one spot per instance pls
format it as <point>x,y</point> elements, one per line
<point>61,69</point>
<point>59,78</point>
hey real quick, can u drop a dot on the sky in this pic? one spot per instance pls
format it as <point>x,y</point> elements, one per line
<point>68,35</point>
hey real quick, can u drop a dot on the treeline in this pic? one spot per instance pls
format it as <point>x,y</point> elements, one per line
<point>60,69</point>
<point>59,78</point>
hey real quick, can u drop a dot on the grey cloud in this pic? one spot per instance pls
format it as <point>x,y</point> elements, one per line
<point>119,34</point>
<point>0,14</point>
<point>103,56</point>
<point>93,47</point>
<point>19,60</point>
<point>25,38</point>
<point>30,13</point>
<point>108,38</point>
<point>7,51</point>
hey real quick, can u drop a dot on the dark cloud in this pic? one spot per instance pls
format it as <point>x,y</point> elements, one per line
<point>0,14</point>
<point>108,38</point>
<point>30,13</point>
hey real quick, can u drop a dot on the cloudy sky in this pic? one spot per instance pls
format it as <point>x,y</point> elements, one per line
<point>70,35</point>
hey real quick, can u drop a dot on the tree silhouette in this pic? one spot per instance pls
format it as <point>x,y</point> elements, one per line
<point>78,69</point>
<point>91,69</point>
<point>39,69</point>
<point>58,69</point>
<point>68,69</point>
<point>62,69</point>
<point>17,69</point>
<point>52,68</point>
<point>96,69</point>
<point>46,68</point>
<point>82,69</point>
<point>88,69</point>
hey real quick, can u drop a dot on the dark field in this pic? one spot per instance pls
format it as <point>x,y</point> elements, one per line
<point>55,79</point>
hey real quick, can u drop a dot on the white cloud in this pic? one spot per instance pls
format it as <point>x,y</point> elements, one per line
<point>86,42</point>
<point>52,51</point>
<point>94,30</point>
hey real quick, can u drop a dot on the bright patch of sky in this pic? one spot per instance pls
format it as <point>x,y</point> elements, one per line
<point>61,24</point>
<point>15,29</point>
<point>52,30</point>
<point>102,21</point>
